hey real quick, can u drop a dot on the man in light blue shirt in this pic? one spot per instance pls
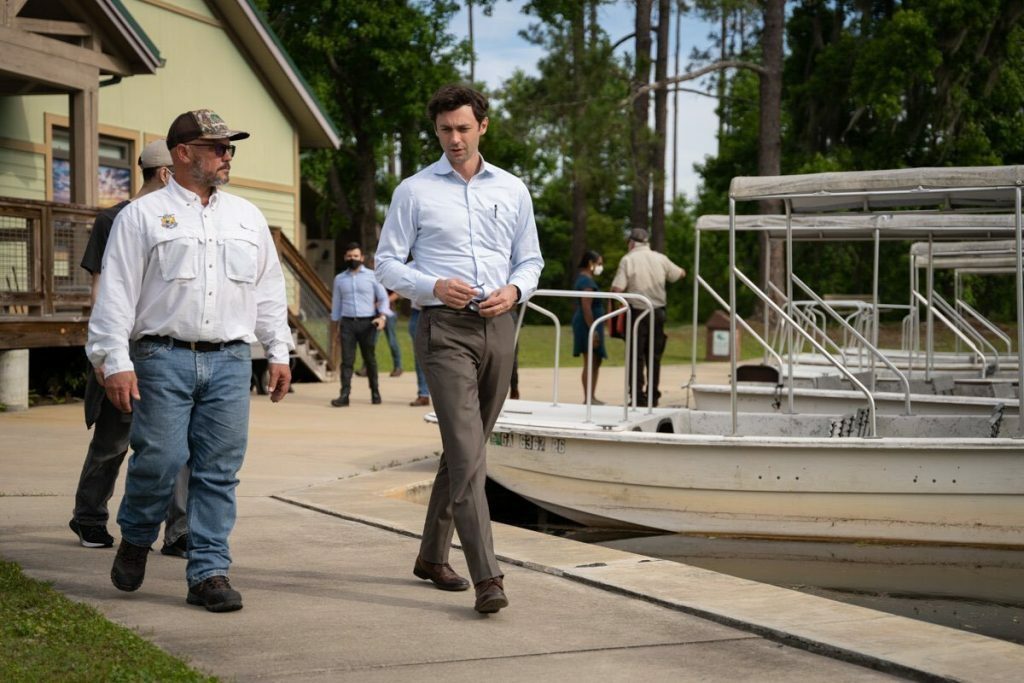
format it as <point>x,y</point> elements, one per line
<point>471,227</point>
<point>360,307</point>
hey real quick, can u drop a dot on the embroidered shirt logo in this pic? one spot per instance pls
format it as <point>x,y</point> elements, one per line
<point>168,221</point>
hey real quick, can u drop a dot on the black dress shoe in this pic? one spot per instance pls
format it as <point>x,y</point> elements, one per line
<point>443,576</point>
<point>340,402</point>
<point>129,566</point>
<point>490,596</point>
<point>375,399</point>
<point>215,594</point>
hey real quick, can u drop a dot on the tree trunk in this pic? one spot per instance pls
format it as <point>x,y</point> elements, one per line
<point>365,223</point>
<point>660,129</point>
<point>578,145</point>
<point>639,130</point>
<point>769,153</point>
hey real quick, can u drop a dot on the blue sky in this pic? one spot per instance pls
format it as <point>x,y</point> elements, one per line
<point>500,51</point>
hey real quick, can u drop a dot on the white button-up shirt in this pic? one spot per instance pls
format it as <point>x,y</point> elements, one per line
<point>176,268</point>
<point>482,232</point>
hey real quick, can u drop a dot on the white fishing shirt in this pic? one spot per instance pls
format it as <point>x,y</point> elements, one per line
<point>176,268</point>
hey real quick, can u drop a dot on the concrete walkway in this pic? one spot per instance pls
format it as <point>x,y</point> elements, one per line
<point>323,554</point>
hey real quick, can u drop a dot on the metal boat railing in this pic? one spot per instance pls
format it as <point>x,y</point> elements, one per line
<point>872,422</point>
<point>952,328</point>
<point>987,324</point>
<point>965,326</point>
<point>624,299</point>
<point>864,342</point>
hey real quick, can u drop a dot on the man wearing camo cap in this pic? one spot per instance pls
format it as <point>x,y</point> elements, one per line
<point>195,279</point>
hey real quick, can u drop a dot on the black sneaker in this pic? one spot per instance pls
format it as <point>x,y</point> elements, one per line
<point>215,594</point>
<point>177,549</point>
<point>129,566</point>
<point>92,535</point>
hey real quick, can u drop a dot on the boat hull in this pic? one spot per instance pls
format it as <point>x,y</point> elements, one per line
<point>967,491</point>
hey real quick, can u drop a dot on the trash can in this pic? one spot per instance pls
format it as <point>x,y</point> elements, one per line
<point>717,347</point>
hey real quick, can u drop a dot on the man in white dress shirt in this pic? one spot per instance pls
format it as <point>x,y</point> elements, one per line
<point>471,227</point>
<point>190,278</point>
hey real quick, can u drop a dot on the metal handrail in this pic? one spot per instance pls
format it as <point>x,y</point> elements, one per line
<point>821,349</point>
<point>990,326</point>
<point>964,325</point>
<point>623,298</point>
<point>866,344</point>
<point>750,330</point>
<point>952,328</point>
<point>803,315</point>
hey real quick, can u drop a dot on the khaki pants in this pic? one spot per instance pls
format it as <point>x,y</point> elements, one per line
<point>468,363</point>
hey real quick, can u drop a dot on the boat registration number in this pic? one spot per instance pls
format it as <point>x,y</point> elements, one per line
<point>527,442</point>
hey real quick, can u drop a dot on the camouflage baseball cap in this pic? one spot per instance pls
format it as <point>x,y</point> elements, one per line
<point>201,124</point>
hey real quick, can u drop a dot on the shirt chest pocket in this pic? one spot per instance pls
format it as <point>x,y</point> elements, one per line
<point>494,227</point>
<point>241,255</point>
<point>179,257</point>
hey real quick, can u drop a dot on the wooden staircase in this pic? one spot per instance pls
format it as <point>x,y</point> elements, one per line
<point>316,355</point>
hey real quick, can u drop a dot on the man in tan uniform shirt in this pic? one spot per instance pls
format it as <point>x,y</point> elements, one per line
<point>645,271</point>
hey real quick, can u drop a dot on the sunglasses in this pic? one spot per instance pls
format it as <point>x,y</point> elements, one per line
<point>219,148</point>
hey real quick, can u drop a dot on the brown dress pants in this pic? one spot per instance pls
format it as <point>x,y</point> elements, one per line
<point>468,363</point>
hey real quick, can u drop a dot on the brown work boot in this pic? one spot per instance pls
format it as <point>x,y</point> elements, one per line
<point>443,576</point>
<point>490,596</point>
<point>215,594</point>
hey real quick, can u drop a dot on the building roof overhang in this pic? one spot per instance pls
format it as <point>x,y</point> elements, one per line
<point>314,126</point>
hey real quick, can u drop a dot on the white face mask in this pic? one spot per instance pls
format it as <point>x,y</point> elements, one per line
<point>598,269</point>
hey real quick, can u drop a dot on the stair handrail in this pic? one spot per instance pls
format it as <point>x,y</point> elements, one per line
<point>290,255</point>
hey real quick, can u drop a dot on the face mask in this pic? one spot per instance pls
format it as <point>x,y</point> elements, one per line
<point>352,264</point>
<point>598,269</point>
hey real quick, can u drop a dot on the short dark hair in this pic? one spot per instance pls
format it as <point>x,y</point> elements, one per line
<point>451,97</point>
<point>350,246</point>
<point>588,256</point>
<point>148,173</point>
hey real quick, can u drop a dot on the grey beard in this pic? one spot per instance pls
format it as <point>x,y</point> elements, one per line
<point>205,179</point>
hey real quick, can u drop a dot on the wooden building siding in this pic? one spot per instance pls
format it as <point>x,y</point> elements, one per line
<point>22,174</point>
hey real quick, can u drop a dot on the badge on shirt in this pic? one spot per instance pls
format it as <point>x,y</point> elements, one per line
<point>168,221</point>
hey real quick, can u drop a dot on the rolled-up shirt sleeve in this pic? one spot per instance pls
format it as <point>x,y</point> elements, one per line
<point>113,317</point>
<point>271,328</point>
<point>526,260</point>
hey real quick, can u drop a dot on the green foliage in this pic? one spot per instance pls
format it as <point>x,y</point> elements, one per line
<point>46,637</point>
<point>373,66</point>
<point>883,85</point>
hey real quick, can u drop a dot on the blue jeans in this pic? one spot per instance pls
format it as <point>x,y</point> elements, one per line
<point>396,351</point>
<point>194,410</point>
<point>421,377</point>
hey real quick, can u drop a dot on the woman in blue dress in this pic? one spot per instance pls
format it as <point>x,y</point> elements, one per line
<point>588,310</point>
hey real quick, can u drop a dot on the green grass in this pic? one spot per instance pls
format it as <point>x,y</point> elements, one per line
<point>537,345</point>
<point>46,637</point>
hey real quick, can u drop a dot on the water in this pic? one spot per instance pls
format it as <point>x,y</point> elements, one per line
<point>972,589</point>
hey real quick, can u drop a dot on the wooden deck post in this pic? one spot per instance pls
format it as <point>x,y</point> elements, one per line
<point>85,144</point>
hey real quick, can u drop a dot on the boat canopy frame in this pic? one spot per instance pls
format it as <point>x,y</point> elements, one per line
<point>886,198</point>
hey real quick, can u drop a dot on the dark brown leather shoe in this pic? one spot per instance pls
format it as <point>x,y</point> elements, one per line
<point>443,576</point>
<point>215,594</point>
<point>420,401</point>
<point>490,596</point>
